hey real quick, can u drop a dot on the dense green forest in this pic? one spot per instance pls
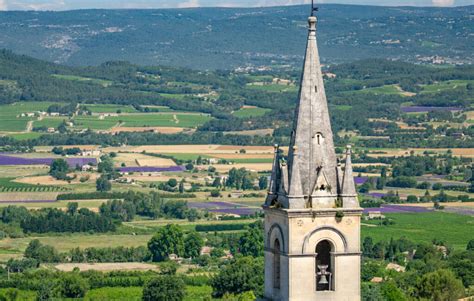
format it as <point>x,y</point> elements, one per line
<point>226,38</point>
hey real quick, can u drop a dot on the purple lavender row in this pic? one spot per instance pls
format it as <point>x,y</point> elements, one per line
<point>360,180</point>
<point>152,169</point>
<point>421,109</point>
<point>10,160</point>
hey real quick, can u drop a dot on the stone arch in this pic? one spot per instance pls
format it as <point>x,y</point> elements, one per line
<point>328,233</point>
<point>275,232</point>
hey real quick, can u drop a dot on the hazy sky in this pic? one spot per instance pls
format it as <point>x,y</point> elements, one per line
<point>79,4</point>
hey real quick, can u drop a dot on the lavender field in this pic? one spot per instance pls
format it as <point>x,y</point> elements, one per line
<point>12,160</point>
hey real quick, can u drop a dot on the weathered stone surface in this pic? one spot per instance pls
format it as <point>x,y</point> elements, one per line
<point>312,202</point>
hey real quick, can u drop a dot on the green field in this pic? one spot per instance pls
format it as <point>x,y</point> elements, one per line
<point>187,157</point>
<point>71,241</point>
<point>94,123</point>
<point>259,78</point>
<point>97,81</point>
<point>49,122</point>
<point>7,185</point>
<point>343,107</point>
<point>164,120</point>
<point>387,89</point>
<point>446,85</point>
<point>9,115</point>
<point>174,96</point>
<point>110,108</point>
<point>25,136</point>
<point>193,293</point>
<point>250,112</point>
<point>274,88</point>
<point>454,229</point>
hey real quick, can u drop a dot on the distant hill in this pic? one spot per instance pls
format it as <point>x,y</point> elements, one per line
<point>226,38</point>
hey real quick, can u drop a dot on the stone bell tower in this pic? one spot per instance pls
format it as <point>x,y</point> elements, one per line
<point>312,214</point>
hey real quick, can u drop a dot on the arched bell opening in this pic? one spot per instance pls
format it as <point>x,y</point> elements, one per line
<point>276,264</point>
<point>324,266</point>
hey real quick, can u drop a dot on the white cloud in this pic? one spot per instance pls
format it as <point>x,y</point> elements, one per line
<point>3,5</point>
<point>190,3</point>
<point>40,5</point>
<point>443,2</point>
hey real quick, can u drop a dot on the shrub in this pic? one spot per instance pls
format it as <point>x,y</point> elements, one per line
<point>169,288</point>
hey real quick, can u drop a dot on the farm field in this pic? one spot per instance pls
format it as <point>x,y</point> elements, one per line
<point>250,111</point>
<point>98,81</point>
<point>404,192</point>
<point>106,267</point>
<point>67,242</point>
<point>164,119</point>
<point>446,85</point>
<point>391,152</point>
<point>194,149</point>
<point>133,160</point>
<point>95,108</point>
<point>454,229</point>
<point>10,121</point>
<point>387,89</point>
<point>193,293</point>
<point>276,88</point>
<point>156,129</point>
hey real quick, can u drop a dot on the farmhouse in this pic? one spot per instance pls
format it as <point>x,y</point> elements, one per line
<point>91,153</point>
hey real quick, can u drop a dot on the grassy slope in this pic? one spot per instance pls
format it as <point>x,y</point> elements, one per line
<point>456,230</point>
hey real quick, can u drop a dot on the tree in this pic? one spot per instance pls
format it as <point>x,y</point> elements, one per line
<point>181,186</point>
<point>391,292</point>
<point>72,208</point>
<point>193,244</point>
<point>217,252</point>
<point>217,182</point>
<point>238,276</point>
<point>172,183</point>
<point>168,240</point>
<point>168,268</point>
<point>45,291</point>
<point>40,252</point>
<point>59,169</point>
<point>251,242</point>
<point>103,184</point>
<point>367,246</point>
<point>72,285</point>
<point>263,182</point>
<point>440,285</point>
<point>215,193</point>
<point>470,245</point>
<point>169,288</point>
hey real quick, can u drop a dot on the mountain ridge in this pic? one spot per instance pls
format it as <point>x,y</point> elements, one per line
<point>228,38</point>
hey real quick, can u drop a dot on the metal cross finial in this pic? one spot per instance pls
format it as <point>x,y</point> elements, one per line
<point>313,8</point>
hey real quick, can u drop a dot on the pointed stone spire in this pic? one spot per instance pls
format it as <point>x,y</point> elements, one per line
<point>340,177</point>
<point>274,182</point>
<point>295,191</point>
<point>312,134</point>
<point>349,194</point>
